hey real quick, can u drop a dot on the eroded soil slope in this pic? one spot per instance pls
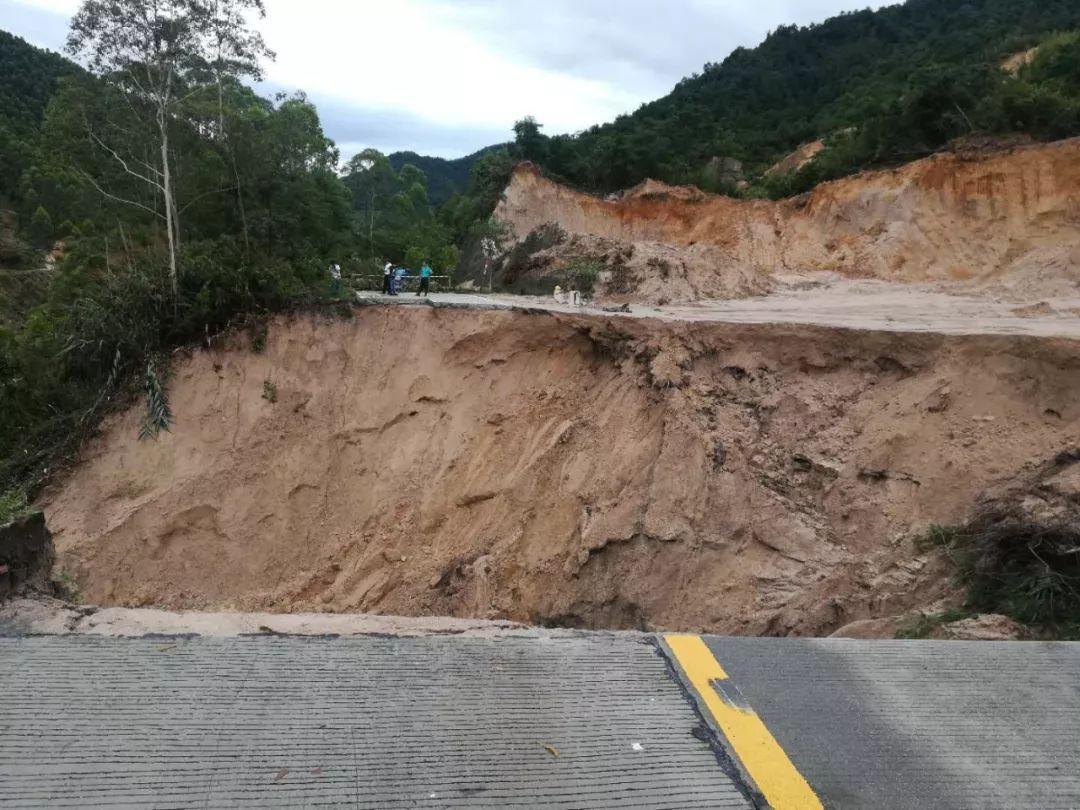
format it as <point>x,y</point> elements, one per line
<point>562,469</point>
<point>1008,218</point>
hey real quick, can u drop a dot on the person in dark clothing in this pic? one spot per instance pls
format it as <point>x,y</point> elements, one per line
<point>388,279</point>
<point>425,280</point>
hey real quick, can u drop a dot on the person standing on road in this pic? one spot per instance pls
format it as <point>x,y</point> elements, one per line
<point>425,280</point>
<point>387,279</point>
<point>399,278</point>
<point>335,278</point>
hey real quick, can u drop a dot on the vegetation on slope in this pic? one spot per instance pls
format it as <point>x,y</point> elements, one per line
<point>445,178</point>
<point>168,234</point>
<point>257,211</point>
<point>30,76</point>
<point>907,78</point>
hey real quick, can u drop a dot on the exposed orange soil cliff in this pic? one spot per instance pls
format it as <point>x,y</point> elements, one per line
<point>1009,216</point>
<point>562,469</point>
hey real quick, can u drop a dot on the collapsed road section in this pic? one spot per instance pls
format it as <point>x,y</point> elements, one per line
<point>564,470</point>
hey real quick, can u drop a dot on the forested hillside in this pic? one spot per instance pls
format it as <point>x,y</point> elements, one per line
<point>177,201</point>
<point>28,79</point>
<point>445,178</point>
<point>907,78</point>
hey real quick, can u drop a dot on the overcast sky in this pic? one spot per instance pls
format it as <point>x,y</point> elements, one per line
<point>446,77</point>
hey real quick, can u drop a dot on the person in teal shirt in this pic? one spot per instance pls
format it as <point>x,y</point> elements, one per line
<point>425,279</point>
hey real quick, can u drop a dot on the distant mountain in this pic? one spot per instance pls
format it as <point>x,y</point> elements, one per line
<point>919,72</point>
<point>445,177</point>
<point>28,79</point>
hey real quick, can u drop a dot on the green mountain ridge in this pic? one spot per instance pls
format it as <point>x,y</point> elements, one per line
<point>30,79</point>
<point>908,77</point>
<point>444,177</point>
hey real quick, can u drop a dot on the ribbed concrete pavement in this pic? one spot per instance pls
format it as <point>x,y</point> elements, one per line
<point>531,719</point>
<point>269,721</point>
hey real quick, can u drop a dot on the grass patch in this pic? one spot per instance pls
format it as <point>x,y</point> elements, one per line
<point>258,333</point>
<point>923,625</point>
<point>1016,563</point>
<point>158,413</point>
<point>938,536</point>
<point>269,391</point>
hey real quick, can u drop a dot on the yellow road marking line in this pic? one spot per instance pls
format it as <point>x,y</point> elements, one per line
<point>783,787</point>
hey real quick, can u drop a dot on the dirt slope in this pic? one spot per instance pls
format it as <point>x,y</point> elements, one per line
<point>562,469</point>
<point>1008,217</point>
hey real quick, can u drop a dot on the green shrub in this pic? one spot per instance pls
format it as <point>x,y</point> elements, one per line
<point>520,258</point>
<point>937,536</point>
<point>13,505</point>
<point>1024,568</point>
<point>581,274</point>
<point>158,413</point>
<point>1011,562</point>
<point>41,228</point>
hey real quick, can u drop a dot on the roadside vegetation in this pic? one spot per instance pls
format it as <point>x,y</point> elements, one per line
<point>1013,563</point>
<point>177,203</point>
<point>13,506</point>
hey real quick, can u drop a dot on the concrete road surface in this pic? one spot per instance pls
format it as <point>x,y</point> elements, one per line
<point>536,719</point>
<point>846,304</point>
<point>919,724</point>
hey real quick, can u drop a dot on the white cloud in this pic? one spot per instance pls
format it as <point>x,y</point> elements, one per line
<point>448,76</point>
<point>56,6</point>
<point>406,55</point>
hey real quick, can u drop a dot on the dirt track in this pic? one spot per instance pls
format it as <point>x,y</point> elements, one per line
<point>841,303</point>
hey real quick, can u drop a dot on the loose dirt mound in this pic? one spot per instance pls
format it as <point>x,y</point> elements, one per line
<point>797,159</point>
<point>964,216</point>
<point>562,470</point>
<point>644,271</point>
